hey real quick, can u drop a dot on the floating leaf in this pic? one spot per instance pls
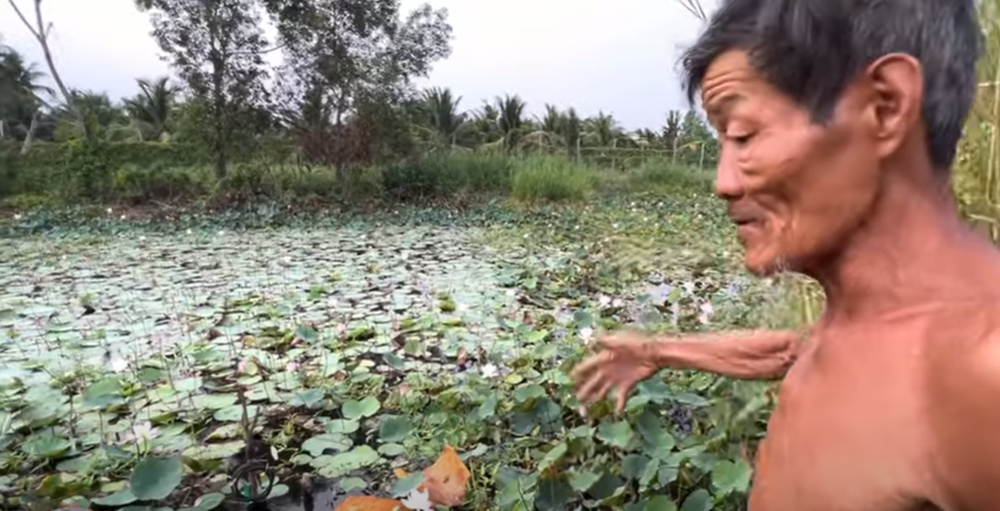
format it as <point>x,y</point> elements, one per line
<point>730,476</point>
<point>355,410</point>
<point>155,478</point>
<point>318,445</point>
<point>340,464</point>
<point>615,434</point>
<point>120,498</point>
<point>698,500</point>
<point>394,428</point>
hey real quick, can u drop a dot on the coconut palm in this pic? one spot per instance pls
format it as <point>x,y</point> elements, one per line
<point>151,108</point>
<point>21,95</point>
<point>510,119</point>
<point>442,115</point>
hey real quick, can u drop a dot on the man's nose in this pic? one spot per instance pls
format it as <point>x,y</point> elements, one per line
<point>728,178</point>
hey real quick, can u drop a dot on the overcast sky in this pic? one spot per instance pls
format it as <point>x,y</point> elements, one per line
<point>618,56</point>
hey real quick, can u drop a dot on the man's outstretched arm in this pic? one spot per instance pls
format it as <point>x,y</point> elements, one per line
<point>627,358</point>
<point>750,355</point>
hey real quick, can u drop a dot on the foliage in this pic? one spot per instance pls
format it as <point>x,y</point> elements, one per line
<point>547,178</point>
<point>216,48</point>
<point>361,347</point>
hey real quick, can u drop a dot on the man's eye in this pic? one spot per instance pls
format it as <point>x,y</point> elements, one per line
<point>741,139</point>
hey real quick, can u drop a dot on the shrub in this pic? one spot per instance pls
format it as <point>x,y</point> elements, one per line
<point>442,175</point>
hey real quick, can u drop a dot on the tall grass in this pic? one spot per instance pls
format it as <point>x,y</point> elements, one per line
<point>551,178</point>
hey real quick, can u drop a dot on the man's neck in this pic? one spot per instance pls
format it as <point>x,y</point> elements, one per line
<point>912,251</point>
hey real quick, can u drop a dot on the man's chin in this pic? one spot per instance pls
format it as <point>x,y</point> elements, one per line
<point>763,266</point>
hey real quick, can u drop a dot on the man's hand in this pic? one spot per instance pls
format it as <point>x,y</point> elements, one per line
<point>626,358</point>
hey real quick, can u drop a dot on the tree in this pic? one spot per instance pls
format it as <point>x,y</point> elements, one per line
<point>40,31</point>
<point>21,93</point>
<point>216,47</point>
<point>151,108</point>
<point>342,54</point>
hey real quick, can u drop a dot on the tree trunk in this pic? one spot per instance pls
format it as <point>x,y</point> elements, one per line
<point>41,33</point>
<point>31,133</point>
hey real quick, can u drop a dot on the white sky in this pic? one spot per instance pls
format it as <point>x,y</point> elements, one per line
<point>618,56</point>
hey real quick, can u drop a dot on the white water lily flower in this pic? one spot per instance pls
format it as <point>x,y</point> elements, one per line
<point>222,233</point>
<point>511,292</point>
<point>142,238</point>
<point>122,217</point>
<point>142,432</point>
<point>462,307</point>
<point>119,365</point>
<point>110,211</point>
<point>17,216</point>
<point>603,301</point>
<point>418,500</point>
<point>287,260</point>
<point>706,313</point>
<point>189,231</point>
<point>617,302</point>
<point>489,371</point>
<point>688,286</point>
<point>586,333</point>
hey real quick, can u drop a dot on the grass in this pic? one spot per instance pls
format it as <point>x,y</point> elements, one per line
<point>146,360</point>
<point>454,177</point>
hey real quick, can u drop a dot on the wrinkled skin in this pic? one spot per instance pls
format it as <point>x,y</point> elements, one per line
<point>891,401</point>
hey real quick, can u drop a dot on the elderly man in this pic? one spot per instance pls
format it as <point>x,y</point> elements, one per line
<point>838,122</point>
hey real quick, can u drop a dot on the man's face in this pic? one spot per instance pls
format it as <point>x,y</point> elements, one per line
<point>795,189</point>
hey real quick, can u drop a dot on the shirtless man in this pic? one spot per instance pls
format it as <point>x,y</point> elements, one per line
<point>838,122</point>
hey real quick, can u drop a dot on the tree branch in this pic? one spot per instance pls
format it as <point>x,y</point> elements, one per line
<point>41,33</point>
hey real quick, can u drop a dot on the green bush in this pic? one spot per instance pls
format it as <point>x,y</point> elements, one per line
<point>445,174</point>
<point>551,178</point>
<point>666,175</point>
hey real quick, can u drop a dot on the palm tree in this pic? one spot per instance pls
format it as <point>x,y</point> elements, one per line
<point>511,119</point>
<point>443,116</point>
<point>21,93</point>
<point>151,108</point>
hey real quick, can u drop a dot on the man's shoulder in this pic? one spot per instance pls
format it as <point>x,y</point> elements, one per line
<point>965,337</point>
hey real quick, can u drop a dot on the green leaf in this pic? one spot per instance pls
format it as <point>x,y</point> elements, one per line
<point>317,445</point>
<point>698,500</point>
<point>659,503</point>
<point>311,398</point>
<point>116,499</point>
<point>351,484</point>
<point>155,478</point>
<point>403,485</point>
<point>581,480</point>
<point>617,434</point>
<point>634,466</point>
<point>341,426</point>
<point>355,410</point>
<point>391,450</point>
<point>730,476</point>
<point>340,464</point>
<point>554,455</point>
<point>209,501</point>
<point>657,441</point>
<point>394,428</point>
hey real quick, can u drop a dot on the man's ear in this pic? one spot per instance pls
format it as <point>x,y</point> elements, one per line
<point>897,84</point>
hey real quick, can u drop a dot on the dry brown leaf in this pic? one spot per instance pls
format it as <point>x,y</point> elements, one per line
<point>368,503</point>
<point>446,480</point>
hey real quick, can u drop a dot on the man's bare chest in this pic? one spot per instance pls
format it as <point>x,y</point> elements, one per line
<point>846,435</point>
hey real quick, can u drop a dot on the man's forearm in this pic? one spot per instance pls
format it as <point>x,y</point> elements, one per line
<point>752,355</point>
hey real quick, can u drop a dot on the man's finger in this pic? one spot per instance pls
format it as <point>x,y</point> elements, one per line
<point>622,399</point>
<point>589,386</point>
<point>583,369</point>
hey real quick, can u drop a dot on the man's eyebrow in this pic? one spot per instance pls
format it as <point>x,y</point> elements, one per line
<point>718,109</point>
